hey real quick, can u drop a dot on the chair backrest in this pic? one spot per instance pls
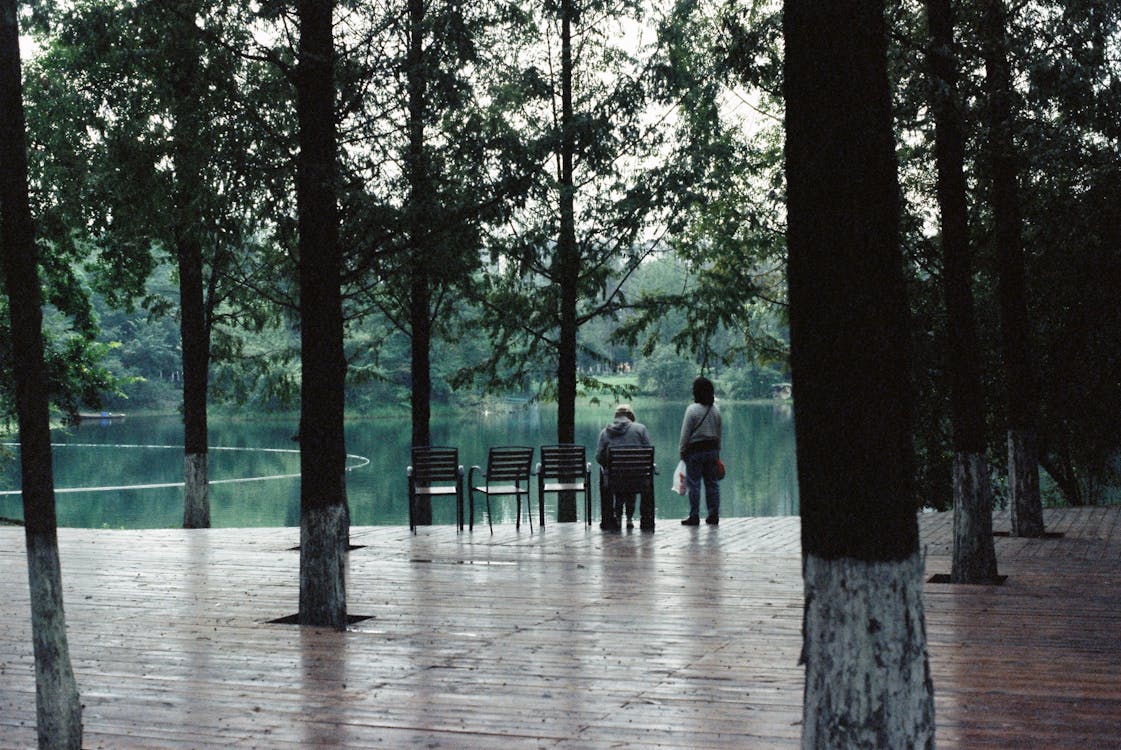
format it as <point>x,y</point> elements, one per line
<point>564,461</point>
<point>509,464</point>
<point>630,469</point>
<point>432,464</point>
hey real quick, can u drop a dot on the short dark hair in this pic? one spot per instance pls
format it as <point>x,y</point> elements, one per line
<point>703,391</point>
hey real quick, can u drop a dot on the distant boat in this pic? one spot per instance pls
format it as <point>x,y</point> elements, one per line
<point>99,416</point>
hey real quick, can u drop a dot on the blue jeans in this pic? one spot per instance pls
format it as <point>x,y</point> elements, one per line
<point>698,466</point>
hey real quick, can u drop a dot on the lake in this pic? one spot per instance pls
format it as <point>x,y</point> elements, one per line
<point>253,462</point>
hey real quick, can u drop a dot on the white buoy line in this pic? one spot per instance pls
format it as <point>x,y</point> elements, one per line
<point>360,461</point>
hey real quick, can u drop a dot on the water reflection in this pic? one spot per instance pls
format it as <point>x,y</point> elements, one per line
<point>758,451</point>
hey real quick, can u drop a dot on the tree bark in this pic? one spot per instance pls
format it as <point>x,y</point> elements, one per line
<point>194,327</point>
<point>568,264</point>
<point>324,520</point>
<point>866,664</point>
<point>974,556</point>
<point>189,157</point>
<point>418,217</point>
<point>1022,392</point>
<point>864,642</point>
<point>57,703</point>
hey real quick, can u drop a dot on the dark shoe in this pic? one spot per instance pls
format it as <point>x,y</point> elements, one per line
<point>691,521</point>
<point>712,519</point>
<point>630,523</point>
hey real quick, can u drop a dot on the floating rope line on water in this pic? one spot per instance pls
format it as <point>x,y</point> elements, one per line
<point>360,462</point>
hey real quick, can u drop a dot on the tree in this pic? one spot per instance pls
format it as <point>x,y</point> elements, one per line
<point>324,521</point>
<point>864,642</point>
<point>600,199</point>
<point>148,150</point>
<point>58,706</point>
<point>974,556</point>
<point>441,120</point>
<point>1021,380</point>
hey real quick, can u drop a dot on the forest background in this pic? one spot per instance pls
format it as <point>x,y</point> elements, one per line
<point>162,137</point>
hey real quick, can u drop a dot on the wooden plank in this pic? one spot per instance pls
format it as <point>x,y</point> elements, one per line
<point>686,638</point>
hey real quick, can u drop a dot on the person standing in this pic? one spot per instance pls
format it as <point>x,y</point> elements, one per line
<point>623,431</point>
<point>700,450</point>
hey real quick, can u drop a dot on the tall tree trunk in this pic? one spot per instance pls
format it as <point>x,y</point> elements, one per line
<point>974,556</point>
<point>868,680</point>
<point>1020,379</point>
<point>324,521</point>
<point>57,703</point>
<point>193,324</point>
<point>418,216</point>
<point>417,219</point>
<point>568,264</point>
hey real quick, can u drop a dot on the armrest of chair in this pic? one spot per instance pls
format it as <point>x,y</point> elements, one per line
<point>471,474</point>
<point>536,470</point>
<point>409,471</point>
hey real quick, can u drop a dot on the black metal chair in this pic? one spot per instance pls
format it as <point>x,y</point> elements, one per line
<point>507,474</point>
<point>435,472</point>
<point>628,470</point>
<point>564,468</point>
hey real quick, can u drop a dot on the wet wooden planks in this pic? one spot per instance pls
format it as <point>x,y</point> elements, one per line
<point>567,637</point>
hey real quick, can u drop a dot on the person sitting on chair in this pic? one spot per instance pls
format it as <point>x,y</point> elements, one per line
<point>623,431</point>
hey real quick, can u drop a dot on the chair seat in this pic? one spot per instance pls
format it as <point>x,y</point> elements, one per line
<point>502,489</point>
<point>436,490</point>
<point>564,486</point>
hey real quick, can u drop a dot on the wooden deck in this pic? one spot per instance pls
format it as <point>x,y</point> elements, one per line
<point>687,638</point>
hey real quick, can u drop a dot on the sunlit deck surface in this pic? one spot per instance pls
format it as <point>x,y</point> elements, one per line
<point>686,638</point>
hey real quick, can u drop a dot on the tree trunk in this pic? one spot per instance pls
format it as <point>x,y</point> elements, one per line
<point>57,703</point>
<point>418,220</point>
<point>864,641</point>
<point>862,616</point>
<point>1020,380</point>
<point>568,265</point>
<point>189,158</point>
<point>324,520</point>
<point>418,217</point>
<point>974,556</point>
<point>195,335</point>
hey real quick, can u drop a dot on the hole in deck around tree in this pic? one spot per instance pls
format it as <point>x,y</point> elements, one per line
<point>295,619</point>
<point>947,578</point>
<point>1046,535</point>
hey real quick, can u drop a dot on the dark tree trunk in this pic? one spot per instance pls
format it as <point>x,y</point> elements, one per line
<point>418,216</point>
<point>1020,379</point>
<point>324,522</point>
<point>568,264</point>
<point>864,638</point>
<point>974,556</point>
<point>193,324</point>
<point>58,706</point>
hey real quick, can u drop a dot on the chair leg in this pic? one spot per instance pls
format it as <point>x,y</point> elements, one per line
<point>471,494</point>
<point>490,518</point>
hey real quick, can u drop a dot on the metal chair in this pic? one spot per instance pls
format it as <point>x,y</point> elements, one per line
<point>435,472</point>
<point>628,470</point>
<point>507,471</point>
<point>564,468</point>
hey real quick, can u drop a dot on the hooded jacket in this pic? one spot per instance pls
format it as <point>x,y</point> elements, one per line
<point>622,432</point>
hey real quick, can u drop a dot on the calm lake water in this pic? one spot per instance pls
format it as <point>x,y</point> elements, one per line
<point>758,450</point>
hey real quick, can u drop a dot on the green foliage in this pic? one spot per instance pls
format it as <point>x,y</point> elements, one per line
<point>667,375</point>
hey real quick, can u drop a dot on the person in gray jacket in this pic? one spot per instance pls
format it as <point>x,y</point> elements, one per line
<point>623,431</point>
<point>700,450</point>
